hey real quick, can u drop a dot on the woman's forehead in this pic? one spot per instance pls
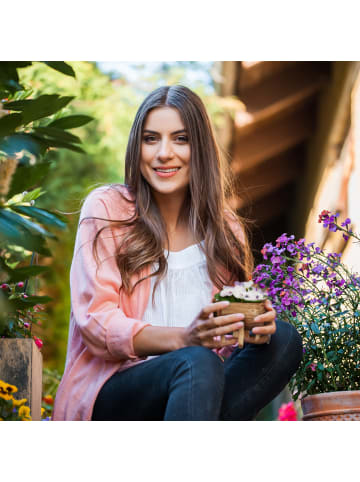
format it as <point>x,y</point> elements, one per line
<point>165,118</point>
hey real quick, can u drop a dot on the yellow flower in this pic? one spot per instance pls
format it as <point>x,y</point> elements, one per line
<point>42,411</point>
<point>24,412</point>
<point>5,396</point>
<point>17,403</point>
<point>7,388</point>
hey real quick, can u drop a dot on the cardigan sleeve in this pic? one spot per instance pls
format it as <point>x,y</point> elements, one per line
<point>105,329</point>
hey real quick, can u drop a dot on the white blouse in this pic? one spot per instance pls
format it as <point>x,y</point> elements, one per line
<point>182,294</point>
<point>184,291</point>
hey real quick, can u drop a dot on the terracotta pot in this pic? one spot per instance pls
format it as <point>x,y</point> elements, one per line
<point>332,406</point>
<point>250,310</point>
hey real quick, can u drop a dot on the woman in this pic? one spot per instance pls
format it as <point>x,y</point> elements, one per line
<point>144,339</point>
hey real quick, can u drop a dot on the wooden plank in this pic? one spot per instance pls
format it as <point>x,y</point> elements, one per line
<point>262,180</point>
<point>252,72</point>
<point>271,140</point>
<point>280,93</point>
<point>21,365</point>
<point>269,207</point>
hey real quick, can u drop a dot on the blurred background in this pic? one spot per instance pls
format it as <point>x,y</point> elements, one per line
<point>288,129</point>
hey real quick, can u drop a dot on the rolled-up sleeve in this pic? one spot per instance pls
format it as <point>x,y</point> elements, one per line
<point>105,329</point>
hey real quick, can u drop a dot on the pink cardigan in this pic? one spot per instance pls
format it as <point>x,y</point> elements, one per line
<point>102,321</point>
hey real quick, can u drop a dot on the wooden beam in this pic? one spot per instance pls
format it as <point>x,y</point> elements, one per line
<point>280,93</point>
<point>252,73</point>
<point>269,207</point>
<point>271,140</point>
<point>261,181</point>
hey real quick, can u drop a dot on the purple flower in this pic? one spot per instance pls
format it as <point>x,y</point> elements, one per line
<point>346,222</point>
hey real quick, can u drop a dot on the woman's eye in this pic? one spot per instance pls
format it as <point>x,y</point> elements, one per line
<point>183,138</point>
<point>149,138</point>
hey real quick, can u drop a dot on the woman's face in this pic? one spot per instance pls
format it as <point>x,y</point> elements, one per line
<point>165,146</point>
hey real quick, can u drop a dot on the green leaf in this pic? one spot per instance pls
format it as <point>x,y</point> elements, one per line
<point>71,121</point>
<point>15,233</point>
<point>40,107</point>
<point>9,123</point>
<point>16,143</point>
<point>42,215</point>
<point>9,77</point>
<point>24,303</point>
<point>62,67</point>
<point>60,144</point>
<point>26,223</point>
<point>26,272</point>
<point>57,134</point>
<point>34,194</point>
<point>25,177</point>
<point>315,328</point>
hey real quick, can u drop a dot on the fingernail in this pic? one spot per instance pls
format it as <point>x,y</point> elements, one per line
<point>226,303</point>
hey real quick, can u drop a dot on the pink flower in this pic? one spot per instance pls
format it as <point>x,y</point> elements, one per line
<point>26,325</point>
<point>25,295</point>
<point>287,412</point>
<point>38,342</point>
<point>4,286</point>
<point>20,284</point>
<point>313,367</point>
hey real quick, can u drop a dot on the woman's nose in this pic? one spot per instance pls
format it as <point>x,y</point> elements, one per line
<point>165,150</point>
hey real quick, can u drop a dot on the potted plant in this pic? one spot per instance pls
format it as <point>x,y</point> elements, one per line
<point>247,298</point>
<point>320,296</point>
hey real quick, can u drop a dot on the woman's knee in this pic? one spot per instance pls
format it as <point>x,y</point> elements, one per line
<point>288,339</point>
<point>203,363</point>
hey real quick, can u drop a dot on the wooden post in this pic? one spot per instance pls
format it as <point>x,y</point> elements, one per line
<point>21,365</point>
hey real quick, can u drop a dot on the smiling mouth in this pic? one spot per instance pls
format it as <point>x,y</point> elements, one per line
<point>167,170</point>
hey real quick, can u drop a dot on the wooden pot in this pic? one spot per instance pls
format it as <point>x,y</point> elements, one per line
<point>21,365</point>
<point>332,406</point>
<point>250,311</point>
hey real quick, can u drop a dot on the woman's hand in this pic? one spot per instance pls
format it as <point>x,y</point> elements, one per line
<point>266,331</point>
<point>207,328</point>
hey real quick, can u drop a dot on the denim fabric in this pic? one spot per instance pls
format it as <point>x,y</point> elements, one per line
<point>194,384</point>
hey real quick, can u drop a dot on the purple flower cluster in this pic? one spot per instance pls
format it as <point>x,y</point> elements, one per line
<point>330,221</point>
<point>300,276</point>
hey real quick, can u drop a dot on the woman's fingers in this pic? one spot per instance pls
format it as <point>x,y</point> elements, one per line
<point>222,330</point>
<point>218,306</point>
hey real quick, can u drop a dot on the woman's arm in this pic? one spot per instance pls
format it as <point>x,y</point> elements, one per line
<point>154,340</point>
<point>205,330</point>
<point>105,329</point>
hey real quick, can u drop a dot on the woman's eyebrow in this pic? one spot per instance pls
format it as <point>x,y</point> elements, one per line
<point>175,132</point>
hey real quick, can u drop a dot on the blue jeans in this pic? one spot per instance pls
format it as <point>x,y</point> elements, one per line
<point>193,383</point>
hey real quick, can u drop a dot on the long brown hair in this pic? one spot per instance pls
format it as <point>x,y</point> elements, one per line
<point>205,208</point>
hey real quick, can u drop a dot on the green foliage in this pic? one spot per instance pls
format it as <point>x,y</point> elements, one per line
<point>25,139</point>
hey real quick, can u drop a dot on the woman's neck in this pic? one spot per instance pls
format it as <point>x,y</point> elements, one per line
<point>171,208</point>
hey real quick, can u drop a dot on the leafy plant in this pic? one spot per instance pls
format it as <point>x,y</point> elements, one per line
<point>29,128</point>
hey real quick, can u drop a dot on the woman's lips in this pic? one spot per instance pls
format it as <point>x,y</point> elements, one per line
<point>166,174</point>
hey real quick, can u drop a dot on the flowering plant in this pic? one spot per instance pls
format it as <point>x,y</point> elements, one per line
<point>242,291</point>
<point>320,296</point>
<point>23,313</point>
<point>10,408</point>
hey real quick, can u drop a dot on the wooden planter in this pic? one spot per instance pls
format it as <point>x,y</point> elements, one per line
<point>21,365</point>
<point>332,406</point>
<point>250,311</point>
